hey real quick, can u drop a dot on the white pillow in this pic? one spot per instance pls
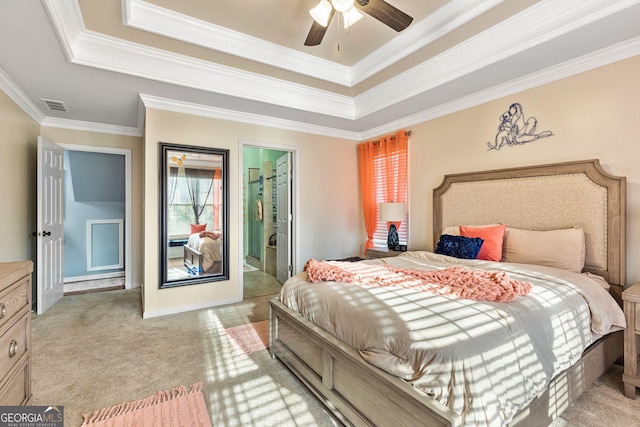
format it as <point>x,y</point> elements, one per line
<point>562,248</point>
<point>598,279</point>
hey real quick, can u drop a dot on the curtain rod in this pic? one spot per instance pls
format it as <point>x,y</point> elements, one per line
<point>407,133</point>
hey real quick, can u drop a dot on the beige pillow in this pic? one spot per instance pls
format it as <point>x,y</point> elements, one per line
<point>454,230</point>
<point>598,279</point>
<point>563,248</point>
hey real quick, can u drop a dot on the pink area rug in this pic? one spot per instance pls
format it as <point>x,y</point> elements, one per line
<point>250,337</point>
<point>167,408</point>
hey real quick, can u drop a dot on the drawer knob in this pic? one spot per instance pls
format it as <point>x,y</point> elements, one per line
<point>3,310</point>
<point>13,348</point>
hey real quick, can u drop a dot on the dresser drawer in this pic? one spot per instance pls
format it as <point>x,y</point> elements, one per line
<point>14,344</point>
<point>13,301</point>
<point>17,388</point>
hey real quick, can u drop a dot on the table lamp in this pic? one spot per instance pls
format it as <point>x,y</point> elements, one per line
<point>391,212</point>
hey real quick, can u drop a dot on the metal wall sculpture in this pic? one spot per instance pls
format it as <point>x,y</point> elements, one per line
<point>516,129</point>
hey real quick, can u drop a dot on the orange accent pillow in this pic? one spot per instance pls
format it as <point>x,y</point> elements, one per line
<point>493,236</point>
<point>197,228</point>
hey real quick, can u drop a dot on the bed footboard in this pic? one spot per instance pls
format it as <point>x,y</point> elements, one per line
<point>360,394</point>
<point>193,260</point>
<point>357,393</point>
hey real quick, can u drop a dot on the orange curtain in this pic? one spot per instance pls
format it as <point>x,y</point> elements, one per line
<point>392,150</point>
<point>216,199</point>
<point>366,156</point>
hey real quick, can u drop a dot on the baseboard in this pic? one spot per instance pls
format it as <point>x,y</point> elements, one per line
<point>93,277</point>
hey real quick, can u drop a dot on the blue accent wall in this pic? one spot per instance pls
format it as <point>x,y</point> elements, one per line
<point>94,189</point>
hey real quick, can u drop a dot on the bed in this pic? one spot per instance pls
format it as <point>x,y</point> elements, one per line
<point>202,253</point>
<point>371,388</point>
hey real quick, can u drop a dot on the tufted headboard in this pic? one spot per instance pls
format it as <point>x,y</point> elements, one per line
<point>544,197</point>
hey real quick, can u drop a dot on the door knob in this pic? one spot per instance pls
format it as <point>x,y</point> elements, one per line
<point>46,233</point>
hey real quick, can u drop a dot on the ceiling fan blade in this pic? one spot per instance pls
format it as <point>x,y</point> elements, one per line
<point>316,33</point>
<point>386,13</point>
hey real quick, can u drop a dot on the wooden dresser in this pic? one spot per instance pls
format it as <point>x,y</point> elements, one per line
<point>15,333</point>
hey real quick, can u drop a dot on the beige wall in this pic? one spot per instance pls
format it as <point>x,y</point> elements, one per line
<point>18,142</point>
<point>329,217</point>
<point>134,144</point>
<point>594,115</point>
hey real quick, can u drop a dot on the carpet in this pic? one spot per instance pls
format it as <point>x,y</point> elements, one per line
<point>175,407</point>
<point>249,337</point>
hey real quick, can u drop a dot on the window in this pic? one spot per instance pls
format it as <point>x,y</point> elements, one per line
<point>396,163</point>
<point>180,209</point>
<point>383,178</point>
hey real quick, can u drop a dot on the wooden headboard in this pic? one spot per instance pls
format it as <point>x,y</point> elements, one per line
<point>544,197</point>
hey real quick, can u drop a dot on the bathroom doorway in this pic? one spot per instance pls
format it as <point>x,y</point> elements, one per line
<point>261,197</point>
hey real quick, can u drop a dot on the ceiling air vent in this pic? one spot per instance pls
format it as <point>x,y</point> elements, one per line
<point>54,105</point>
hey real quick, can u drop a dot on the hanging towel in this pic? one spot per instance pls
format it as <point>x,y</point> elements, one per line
<point>259,210</point>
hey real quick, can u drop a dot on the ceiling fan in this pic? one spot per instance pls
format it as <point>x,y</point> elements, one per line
<point>379,9</point>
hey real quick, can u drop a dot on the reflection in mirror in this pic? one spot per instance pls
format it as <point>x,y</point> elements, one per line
<point>194,215</point>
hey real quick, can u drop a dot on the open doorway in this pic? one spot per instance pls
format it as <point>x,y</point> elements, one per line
<point>50,222</point>
<point>267,229</point>
<point>96,219</point>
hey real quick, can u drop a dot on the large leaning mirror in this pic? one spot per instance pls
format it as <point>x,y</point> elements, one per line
<point>194,214</point>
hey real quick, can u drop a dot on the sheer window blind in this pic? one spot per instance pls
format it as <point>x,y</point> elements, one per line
<point>397,162</point>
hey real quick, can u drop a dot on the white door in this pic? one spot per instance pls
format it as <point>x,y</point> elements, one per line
<point>284,217</point>
<point>50,231</point>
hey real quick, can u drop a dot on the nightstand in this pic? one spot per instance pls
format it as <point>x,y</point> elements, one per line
<point>631,376</point>
<point>373,253</point>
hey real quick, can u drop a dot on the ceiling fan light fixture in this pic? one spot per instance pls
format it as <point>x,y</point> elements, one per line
<point>322,12</point>
<point>342,5</point>
<point>350,17</point>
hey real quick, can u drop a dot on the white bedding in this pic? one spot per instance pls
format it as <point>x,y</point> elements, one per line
<point>484,360</point>
<point>208,247</point>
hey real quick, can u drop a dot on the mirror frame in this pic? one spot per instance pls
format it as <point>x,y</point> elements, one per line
<point>163,230</point>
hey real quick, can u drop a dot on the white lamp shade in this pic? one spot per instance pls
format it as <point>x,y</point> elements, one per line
<point>342,5</point>
<point>392,212</point>
<point>321,12</point>
<point>351,16</point>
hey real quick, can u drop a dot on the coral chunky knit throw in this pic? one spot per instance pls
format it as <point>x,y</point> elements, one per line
<point>480,285</point>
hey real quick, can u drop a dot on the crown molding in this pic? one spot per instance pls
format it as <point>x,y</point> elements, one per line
<point>444,20</point>
<point>145,16</point>
<point>542,22</point>
<point>535,25</point>
<point>582,64</point>
<point>109,53</point>
<point>66,18</point>
<point>13,91</point>
<point>585,63</point>
<point>92,49</point>
<point>606,56</point>
<point>159,103</point>
<point>90,127</point>
<point>155,19</point>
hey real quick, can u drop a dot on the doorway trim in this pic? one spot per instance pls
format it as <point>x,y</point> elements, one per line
<point>295,178</point>
<point>127,196</point>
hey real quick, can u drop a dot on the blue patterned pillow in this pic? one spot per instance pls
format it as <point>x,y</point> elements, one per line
<point>459,246</point>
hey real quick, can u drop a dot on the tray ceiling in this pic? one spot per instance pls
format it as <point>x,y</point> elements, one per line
<point>245,60</point>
